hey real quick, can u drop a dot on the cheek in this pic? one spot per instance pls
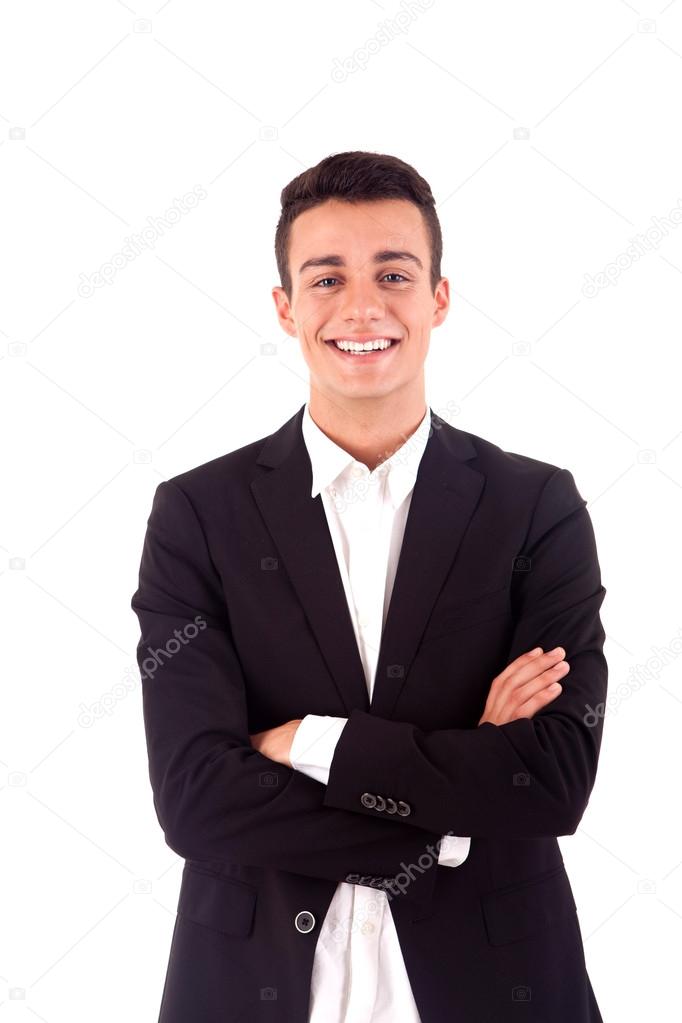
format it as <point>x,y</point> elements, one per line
<point>418,339</point>
<point>310,322</point>
<point>414,313</point>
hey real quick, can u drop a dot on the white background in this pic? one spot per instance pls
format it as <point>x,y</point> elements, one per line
<point>550,136</point>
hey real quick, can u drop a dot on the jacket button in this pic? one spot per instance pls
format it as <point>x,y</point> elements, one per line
<point>403,809</point>
<point>391,805</point>
<point>381,803</point>
<point>368,800</point>
<point>304,922</point>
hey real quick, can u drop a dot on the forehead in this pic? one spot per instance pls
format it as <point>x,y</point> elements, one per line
<point>344,228</point>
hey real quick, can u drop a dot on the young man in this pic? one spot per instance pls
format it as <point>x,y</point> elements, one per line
<point>352,636</point>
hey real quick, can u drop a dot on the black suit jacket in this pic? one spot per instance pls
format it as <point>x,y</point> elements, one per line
<point>244,625</point>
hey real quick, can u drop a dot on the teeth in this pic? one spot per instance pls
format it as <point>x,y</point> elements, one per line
<point>368,346</point>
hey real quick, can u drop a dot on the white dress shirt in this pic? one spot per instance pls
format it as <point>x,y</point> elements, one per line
<point>359,973</point>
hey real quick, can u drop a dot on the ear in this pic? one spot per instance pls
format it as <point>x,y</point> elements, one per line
<point>441,302</point>
<point>284,311</point>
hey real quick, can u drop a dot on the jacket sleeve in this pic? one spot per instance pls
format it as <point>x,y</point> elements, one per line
<point>215,796</point>
<point>531,777</point>
<point>312,752</point>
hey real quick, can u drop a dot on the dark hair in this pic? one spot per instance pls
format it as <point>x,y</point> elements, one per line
<point>356,177</point>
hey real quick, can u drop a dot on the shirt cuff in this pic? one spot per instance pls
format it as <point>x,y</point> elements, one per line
<point>453,850</point>
<point>314,744</point>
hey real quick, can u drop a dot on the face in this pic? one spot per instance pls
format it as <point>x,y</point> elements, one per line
<point>361,271</point>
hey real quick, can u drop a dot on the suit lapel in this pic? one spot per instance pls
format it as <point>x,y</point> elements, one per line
<point>444,498</point>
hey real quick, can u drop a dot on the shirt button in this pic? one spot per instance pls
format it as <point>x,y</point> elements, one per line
<point>367,927</point>
<point>304,922</point>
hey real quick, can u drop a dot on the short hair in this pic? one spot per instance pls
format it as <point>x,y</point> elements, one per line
<point>356,177</point>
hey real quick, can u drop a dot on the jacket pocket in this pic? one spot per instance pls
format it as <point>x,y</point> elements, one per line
<point>469,613</point>
<point>213,900</point>
<point>517,912</point>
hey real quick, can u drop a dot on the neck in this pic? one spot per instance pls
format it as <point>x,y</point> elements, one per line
<point>370,430</point>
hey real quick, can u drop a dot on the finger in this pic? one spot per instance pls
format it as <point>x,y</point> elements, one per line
<point>540,700</point>
<point>512,699</point>
<point>516,664</point>
<point>523,692</point>
<point>521,660</point>
<point>534,667</point>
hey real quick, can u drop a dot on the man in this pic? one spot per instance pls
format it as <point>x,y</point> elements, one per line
<point>352,636</point>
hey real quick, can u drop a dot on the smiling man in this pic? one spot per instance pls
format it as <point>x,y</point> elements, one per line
<point>358,740</point>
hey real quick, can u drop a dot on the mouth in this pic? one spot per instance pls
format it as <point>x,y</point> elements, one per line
<point>355,351</point>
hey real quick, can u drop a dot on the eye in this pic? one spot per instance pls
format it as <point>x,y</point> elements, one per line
<point>389,274</point>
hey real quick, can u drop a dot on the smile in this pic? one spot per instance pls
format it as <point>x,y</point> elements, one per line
<point>367,351</point>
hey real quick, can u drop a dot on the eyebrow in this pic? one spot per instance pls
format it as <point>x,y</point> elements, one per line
<point>384,256</point>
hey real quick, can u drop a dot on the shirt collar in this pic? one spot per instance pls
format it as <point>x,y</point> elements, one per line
<point>329,461</point>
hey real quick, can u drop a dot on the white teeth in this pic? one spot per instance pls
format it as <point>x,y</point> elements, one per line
<point>369,346</point>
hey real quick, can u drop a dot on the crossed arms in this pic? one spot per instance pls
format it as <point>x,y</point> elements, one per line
<point>216,797</point>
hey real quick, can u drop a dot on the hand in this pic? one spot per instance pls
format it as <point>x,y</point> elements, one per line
<point>275,743</point>
<point>525,686</point>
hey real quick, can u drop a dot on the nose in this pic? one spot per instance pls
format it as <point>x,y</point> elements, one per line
<point>361,300</point>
